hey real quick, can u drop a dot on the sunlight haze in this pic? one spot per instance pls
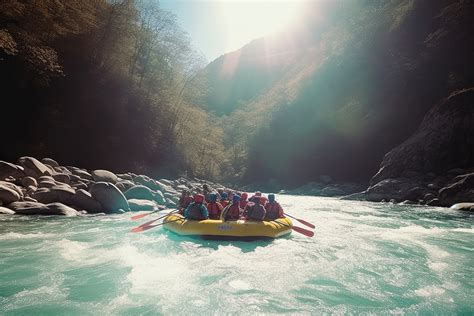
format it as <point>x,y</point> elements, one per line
<point>217,27</point>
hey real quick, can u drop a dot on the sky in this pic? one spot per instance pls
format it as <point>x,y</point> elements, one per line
<point>221,26</point>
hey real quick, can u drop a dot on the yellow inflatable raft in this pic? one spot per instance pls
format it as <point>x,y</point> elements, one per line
<point>233,229</point>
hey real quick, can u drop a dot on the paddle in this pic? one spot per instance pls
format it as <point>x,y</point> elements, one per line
<point>302,221</point>
<point>154,220</point>
<point>135,217</point>
<point>148,225</point>
<point>297,229</point>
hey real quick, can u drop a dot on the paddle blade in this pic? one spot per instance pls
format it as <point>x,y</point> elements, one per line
<point>302,221</point>
<point>135,217</point>
<point>305,223</point>
<point>303,231</point>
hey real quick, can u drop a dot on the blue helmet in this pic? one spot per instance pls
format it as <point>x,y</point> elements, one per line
<point>271,197</point>
<point>223,196</point>
<point>212,197</point>
<point>236,198</point>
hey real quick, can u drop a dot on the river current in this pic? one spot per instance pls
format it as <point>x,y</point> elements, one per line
<point>364,258</point>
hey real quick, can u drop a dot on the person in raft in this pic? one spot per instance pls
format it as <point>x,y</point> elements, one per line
<point>214,207</point>
<point>258,197</point>
<point>197,210</point>
<point>243,200</point>
<point>206,192</point>
<point>273,209</point>
<point>255,210</point>
<point>185,200</point>
<point>233,210</point>
<point>224,201</point>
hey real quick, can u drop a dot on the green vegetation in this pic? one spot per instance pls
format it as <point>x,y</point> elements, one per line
<point>116,84</point>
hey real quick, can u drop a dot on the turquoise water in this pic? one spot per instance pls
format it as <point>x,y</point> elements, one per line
<point>364,258</point>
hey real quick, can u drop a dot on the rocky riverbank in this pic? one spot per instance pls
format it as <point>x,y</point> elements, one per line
<point>435,166</point>
<point>33,187</point>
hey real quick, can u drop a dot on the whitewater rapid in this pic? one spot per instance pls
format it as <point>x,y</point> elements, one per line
<point>364,258</point>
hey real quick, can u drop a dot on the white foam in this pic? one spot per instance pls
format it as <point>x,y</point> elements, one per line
<point>428,291</point>
<point>13,235</point>
<point>239,285</point>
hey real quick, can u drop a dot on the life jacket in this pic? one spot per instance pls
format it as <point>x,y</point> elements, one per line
<point>243,203</point>
<point>233,213</point>
<point>273,210</point>
<point>256,212</point>
<point>195,212</point>
<point>214,209</point>
<point>224,203</point>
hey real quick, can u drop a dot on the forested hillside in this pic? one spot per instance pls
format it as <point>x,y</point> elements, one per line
<point>333,95</point>
<point>101,84</point>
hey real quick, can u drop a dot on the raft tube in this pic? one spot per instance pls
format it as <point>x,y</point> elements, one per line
<point>235,229</point>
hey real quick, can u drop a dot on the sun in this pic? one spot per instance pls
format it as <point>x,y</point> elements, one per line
<point>244,20</point>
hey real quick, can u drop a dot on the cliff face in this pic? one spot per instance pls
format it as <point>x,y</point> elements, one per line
<point>338,94</point>
<point>436,164</point>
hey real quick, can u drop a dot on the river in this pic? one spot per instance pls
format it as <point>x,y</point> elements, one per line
<point>364,258</point>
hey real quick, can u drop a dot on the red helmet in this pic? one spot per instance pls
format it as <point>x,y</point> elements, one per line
<point>199,198</point>
<point>244,196</point>
<point>263,200</point>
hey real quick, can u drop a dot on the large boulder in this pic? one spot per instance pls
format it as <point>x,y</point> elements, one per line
<point>463,207</point>
<point>81,173</point>
<point>62,177</point>
<point>399,189</point>
<point>124,185</point>
<point>28,208</point>
<point>104,176</point>
<point>58,193</point>
<point>33,208</point>
<point>83,200</point>
<point>110,197</point>
<point>34,168</point>
<point>444,141</point>
<point>141,205</point>
<point>10,170</point>
<point>462,189</point>
<point>50,162</point>
<point>6,211</point>
<point>60,209</point>
<point>27,181</point>
<point>8,194</point>
<point>147,181</point>
<point>140,192</point>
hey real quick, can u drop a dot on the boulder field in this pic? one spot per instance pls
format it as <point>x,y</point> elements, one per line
<point>34,187</point>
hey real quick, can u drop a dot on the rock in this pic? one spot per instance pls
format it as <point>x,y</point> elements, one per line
<point>124,185</point>
<point>60,209</point>
<point>182,187</point>
<point>461,189</point>
<point>33,167</point>
<point>463,207</point>
<point>50,162</point>
<point>80,185</point>
<point>125,176</point>
<point>59,193</point>
<point>62,177</point>
<point>110,197</point>
<point>140,192</point>
<point>27,181</point>
<point>29,199</point>
<point>148,182</point>
<point>104,176</point>
<point>28,208</point>
<point>64,170</point>
<point>8,195</point>
<point>6,211</point>
<point>429,196</point>
<point>84,201</point>
<point>433,202</point>
<point>82,174</point>
<point>46,184</point>
<point>399,189</point>
<point>159,197</point>
<point>141,205</point>
<point>441,142</point>
<point>10,170</point>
